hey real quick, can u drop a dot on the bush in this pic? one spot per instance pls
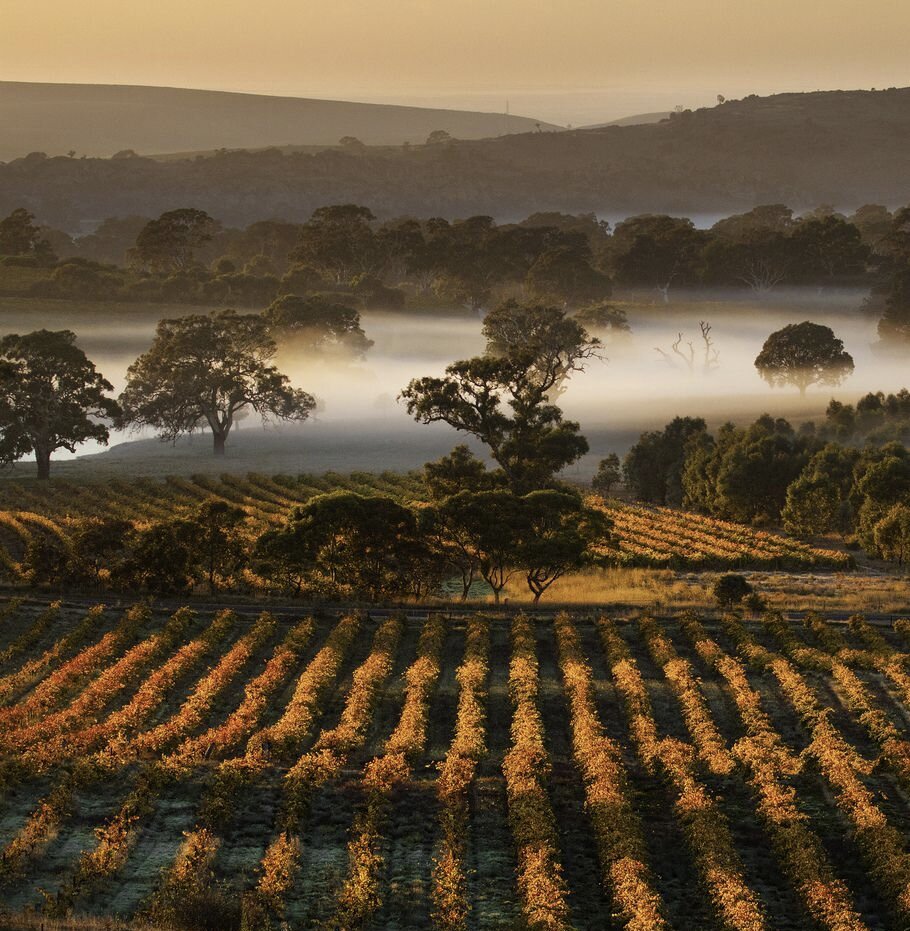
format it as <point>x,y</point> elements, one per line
<point>731,589</point>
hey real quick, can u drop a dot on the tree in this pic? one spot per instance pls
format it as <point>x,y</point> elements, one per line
<point>881,480</point>
<point>818,500</point>
<point>731,589</point>
<point>892,534</point>
<point>656,250</point>
<point>710,353</point>
<point>51,397</point>
<point>159,558</point>
<point>564,273</point>
<point>320,324</point>
<point>608,474</point>
<point>339,242</point>
<point>468,259</point>
<point>533,443</point>
<point>751,248</point>
<point>363,543</point>
<point>460,470</point>
<point>894,326</point>
<point>438,137</point>
<point>486,529</point>
<point>549,344</point>
<point>217,542</point>
<point>170,243</point>
<point>804,354</point>
<point>19,235</point>
<point>556,531</point>
<point>828,247</point>
<point>654,465</point>
<point>744,475</point>
<point>603,317</point>
<point>204,369</point>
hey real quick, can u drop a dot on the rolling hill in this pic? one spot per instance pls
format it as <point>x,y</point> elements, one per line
<point>100,120</point>
<point>844,148</point>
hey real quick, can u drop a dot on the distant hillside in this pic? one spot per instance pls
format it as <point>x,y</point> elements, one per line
<point>100,120</point>
<point>840,148</point>
<point>635,120</point>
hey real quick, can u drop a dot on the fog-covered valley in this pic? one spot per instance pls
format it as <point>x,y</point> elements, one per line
<point>360,425</point>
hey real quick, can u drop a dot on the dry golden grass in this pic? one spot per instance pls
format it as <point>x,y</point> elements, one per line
<point>657,589</point>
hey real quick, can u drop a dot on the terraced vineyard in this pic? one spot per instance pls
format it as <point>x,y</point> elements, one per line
<point>343,772</point>
<point>646,536</point>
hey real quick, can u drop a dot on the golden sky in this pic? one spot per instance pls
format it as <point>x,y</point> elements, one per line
<point>455,51</point>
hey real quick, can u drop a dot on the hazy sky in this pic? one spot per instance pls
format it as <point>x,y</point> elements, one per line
<point>567,61</point>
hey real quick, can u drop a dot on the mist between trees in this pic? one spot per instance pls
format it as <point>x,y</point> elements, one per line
<point>344,254</point>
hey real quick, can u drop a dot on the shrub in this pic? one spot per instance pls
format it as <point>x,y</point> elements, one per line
<point>731,589</point>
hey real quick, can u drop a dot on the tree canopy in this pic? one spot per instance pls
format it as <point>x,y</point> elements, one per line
<point>205,369</point>
<point>320,324</point>
<point>51,397</point>
<point>19,235</point>
<point>502,397</point>
<point>170,243</point>
<point>804,354</point>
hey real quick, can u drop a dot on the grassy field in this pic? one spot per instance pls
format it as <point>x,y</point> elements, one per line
<point>195,770</point>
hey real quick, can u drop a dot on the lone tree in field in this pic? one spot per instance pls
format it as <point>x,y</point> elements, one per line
<point>804,354</point>
<point>730,589</point>
<point>206,369</point>
<point>502,397</point>
<point>51,397</point>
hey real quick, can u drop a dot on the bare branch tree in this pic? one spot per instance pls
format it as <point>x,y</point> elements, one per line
<point>710,358</point>
<point>687,357</point>
<point>712,354</point>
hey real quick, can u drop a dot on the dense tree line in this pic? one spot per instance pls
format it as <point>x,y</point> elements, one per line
<point>343,250</point>
<point>849,475</point>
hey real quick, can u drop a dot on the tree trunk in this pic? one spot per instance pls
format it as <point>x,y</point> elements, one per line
<point>219,443</point>
<point>43,458</point>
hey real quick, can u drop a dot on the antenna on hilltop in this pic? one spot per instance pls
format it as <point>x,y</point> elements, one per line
<point>507,108</point>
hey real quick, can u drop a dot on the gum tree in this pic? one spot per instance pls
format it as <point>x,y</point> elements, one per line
<point>51,397</point>
<point>208,369</point>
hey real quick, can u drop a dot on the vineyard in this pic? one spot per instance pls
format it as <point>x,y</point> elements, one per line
<point>219,770</point>
<point>644,536</point>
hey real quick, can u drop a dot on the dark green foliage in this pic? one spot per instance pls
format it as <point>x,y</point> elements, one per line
<point>876,419</point>
<point>20,236</point>
<point>657,251</point>
<point>51,397</point>
<point>365,545</point>
<point>608,474</point>
<point>730,589</point>
<point>531,351</point>
<point>804,354</point>
<point>171,242</point>
<point>205,370</point>
<point>744,474</point>
<point>318,324</point>
<point>894,326</point>
<point>653,467</point>
<point>460,470</point>
<point>818,501</point>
